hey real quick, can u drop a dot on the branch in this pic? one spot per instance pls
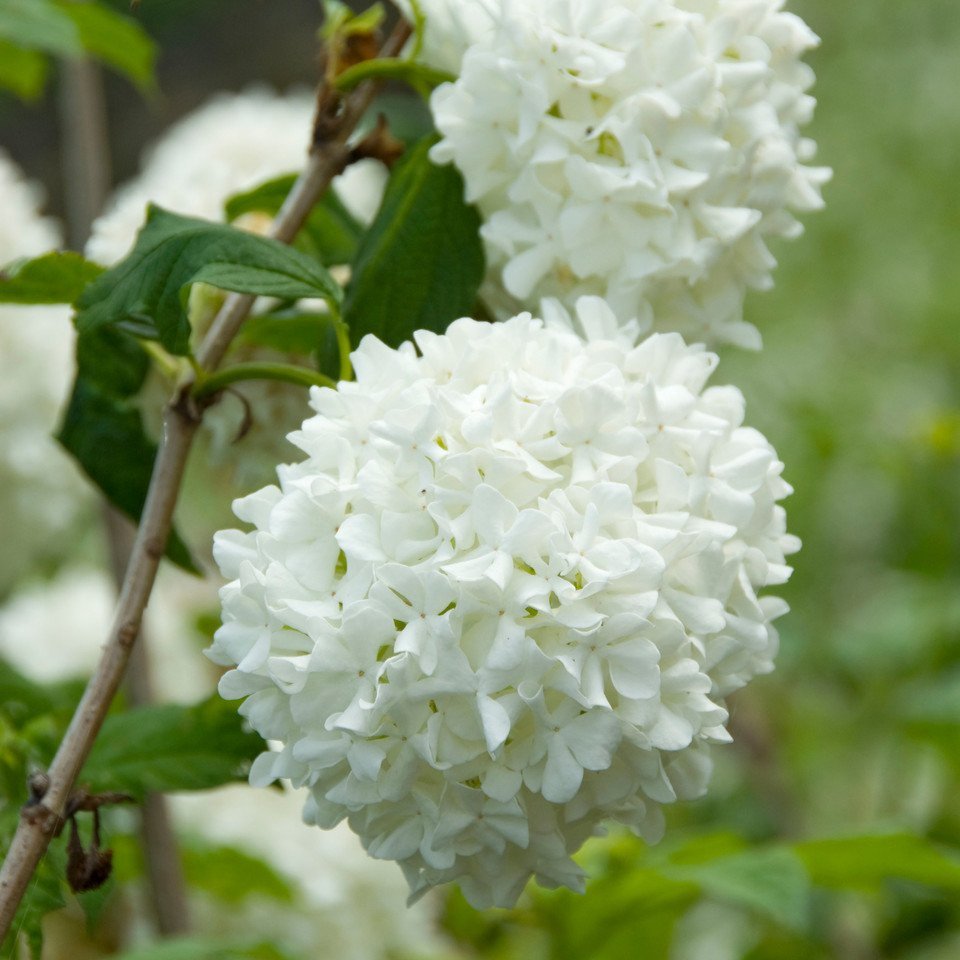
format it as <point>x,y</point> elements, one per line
<point>86,147</point>
<point>86,175</point>
<point>336,120</point>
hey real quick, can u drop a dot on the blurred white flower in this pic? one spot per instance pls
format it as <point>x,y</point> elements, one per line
<point>42,496</point>
<point>645,152</point>
<point>505,594</point>
<point>24,232</point>
<point>230,144</point>
<point>55,630</point>
<point>348,907</point>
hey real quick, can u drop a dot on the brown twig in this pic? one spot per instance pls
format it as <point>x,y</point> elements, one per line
<point>181,419</point>
<point>85,147</point>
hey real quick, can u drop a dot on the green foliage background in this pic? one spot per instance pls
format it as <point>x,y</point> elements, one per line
<point>833,826</point>
<point>859,389</point>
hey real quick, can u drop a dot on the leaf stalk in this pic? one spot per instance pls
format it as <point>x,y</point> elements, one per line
<point>284,372</point>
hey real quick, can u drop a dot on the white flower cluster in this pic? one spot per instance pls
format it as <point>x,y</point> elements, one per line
<point>503,597</point>
<point>41,492</point>
<point>641,150</point>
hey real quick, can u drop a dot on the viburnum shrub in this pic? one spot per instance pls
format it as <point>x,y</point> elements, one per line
<point>503,593</point>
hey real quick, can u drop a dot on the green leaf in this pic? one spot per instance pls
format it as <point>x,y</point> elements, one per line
<point>44,894</point>
<point>114,39</point>
<point>262,280</point>
<point>171,747</point>
<point>28,741</point>
<point>266,197</point>
<point>331,234</point>
<point>596,924</point>
<point>22,698</point>
<point>112,361</point>
<point>656,931</point>
<point>203,948</point>
<point>635,891</point>
<point>171,252</point>
<point>900,604</point>
<point>931,701</point>
<point>421,262</point>
<point>287,331</point>
<point>69,28</point>
<point>57,277</point>
<point>23,72</point>
<point>863,863</point>
<point>771,882</point>
<point>103,425</point>
<point>231,875</point>
<point>39,25</point>
<point>407,117</point>
<point>104,433</point>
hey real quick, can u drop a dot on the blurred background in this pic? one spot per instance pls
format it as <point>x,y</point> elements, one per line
<point>833,826</point>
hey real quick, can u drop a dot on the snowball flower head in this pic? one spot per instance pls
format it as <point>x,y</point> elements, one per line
<point>503,597</point>
<point>642,150</point>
